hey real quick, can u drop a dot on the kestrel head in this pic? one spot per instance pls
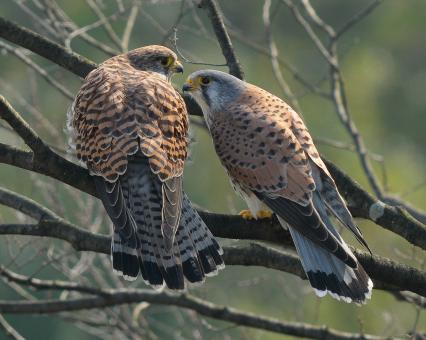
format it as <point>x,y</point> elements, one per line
<point>155,58</point>
<point>213,90</point>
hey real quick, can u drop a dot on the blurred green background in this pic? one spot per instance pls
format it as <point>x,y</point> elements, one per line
<point>383,60</point>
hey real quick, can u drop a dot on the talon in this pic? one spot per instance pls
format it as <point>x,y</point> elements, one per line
<point>264,214</point>
<point>246,214</point>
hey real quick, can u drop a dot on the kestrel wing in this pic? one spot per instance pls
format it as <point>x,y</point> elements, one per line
<point>327,188</point>
<point>261,153</point>
<point>162,117</point>
<point>117,114</point>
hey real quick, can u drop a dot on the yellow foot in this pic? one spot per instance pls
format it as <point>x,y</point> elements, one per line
<point>264,214</point>
<point>247,215</point>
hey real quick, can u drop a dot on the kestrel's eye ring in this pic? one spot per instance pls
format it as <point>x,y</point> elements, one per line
<point>205,80</point>
<point>166,61</point>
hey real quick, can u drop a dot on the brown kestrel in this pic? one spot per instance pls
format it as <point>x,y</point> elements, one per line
<point>129,126</point>
<point>272,162</point>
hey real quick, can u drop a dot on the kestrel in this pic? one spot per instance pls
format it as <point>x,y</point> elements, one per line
<point>274,165</point>
<point>129,127</point>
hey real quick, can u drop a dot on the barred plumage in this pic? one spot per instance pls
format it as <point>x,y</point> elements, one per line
<point>129,126</point>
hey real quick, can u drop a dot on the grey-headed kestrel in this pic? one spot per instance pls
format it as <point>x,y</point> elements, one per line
<point>129,126</point>
<point>273,164</point>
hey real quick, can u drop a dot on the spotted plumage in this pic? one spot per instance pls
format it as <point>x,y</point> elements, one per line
<point>129,127</point>
<point>272,162</point>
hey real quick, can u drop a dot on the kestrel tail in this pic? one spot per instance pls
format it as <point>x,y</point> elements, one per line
<point>273,163</point>
<point>129,126</point>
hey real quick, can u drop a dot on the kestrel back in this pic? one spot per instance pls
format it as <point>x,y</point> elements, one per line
<point>129,127</point>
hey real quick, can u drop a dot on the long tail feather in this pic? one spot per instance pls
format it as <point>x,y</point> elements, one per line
<point>134,204</point>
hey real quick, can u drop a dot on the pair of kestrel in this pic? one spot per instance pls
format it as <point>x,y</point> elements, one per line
<point>130,127</point>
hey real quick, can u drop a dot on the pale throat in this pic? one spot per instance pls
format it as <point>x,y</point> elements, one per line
<point>207,113</point>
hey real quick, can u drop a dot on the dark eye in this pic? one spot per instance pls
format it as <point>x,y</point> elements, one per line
<point>164,61</point>
<point>205,80</point>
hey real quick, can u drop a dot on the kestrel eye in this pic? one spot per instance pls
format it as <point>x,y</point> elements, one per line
<point>166,61</point>
<point>205,80</point>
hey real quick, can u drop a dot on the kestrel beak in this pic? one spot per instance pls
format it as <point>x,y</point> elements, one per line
<point>177,67</point>
<point>188,86</point>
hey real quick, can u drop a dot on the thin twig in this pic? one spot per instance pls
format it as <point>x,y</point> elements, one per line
<point>105,23</point>
<point>9,330</point>
<point>129,28</point>
<point>42,72</point>
<point>41,121</point>
<point>274,58</point>
<point>337,84</point>
<point>357,18</point>
<point>186,60</point>
<point>81,32</point>
<point>48,284</point>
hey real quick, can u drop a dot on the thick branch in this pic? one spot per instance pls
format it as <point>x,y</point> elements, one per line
<point>387,274</point>
<point>21,127</point>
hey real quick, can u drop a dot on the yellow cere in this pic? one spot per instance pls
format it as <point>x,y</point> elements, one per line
<point>194,83</point>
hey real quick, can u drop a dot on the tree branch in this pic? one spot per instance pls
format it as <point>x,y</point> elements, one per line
<point>129,296</point>
<point>203,307</point>
<point>387,274</point>
<point>9,330</point>
<point>45,48</point>
<point>215,15</point>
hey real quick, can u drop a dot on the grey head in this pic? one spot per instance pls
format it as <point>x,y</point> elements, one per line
<point>213,91</point>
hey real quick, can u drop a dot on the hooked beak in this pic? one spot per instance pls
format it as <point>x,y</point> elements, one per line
<point>188,86</point>
<point>177,67</point>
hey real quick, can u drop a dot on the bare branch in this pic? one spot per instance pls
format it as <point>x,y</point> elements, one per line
<point>81,32</point>
<point>45,48</point>
<point>118,297</point>
<point>25,205</point>
<point>337,84</point>
<point>42,72</point>
<point>386,273</point>
<point>186,60</point>
<point>105,23</point>
<point>48,284</point>
<point>274,57</point>
<point>21,127</point>
<point>129,28</point>
<point>316,40</point>
<point>9,330</point>
<point>357,18</point>
<point>291,68</point>
<point>219,28</point>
